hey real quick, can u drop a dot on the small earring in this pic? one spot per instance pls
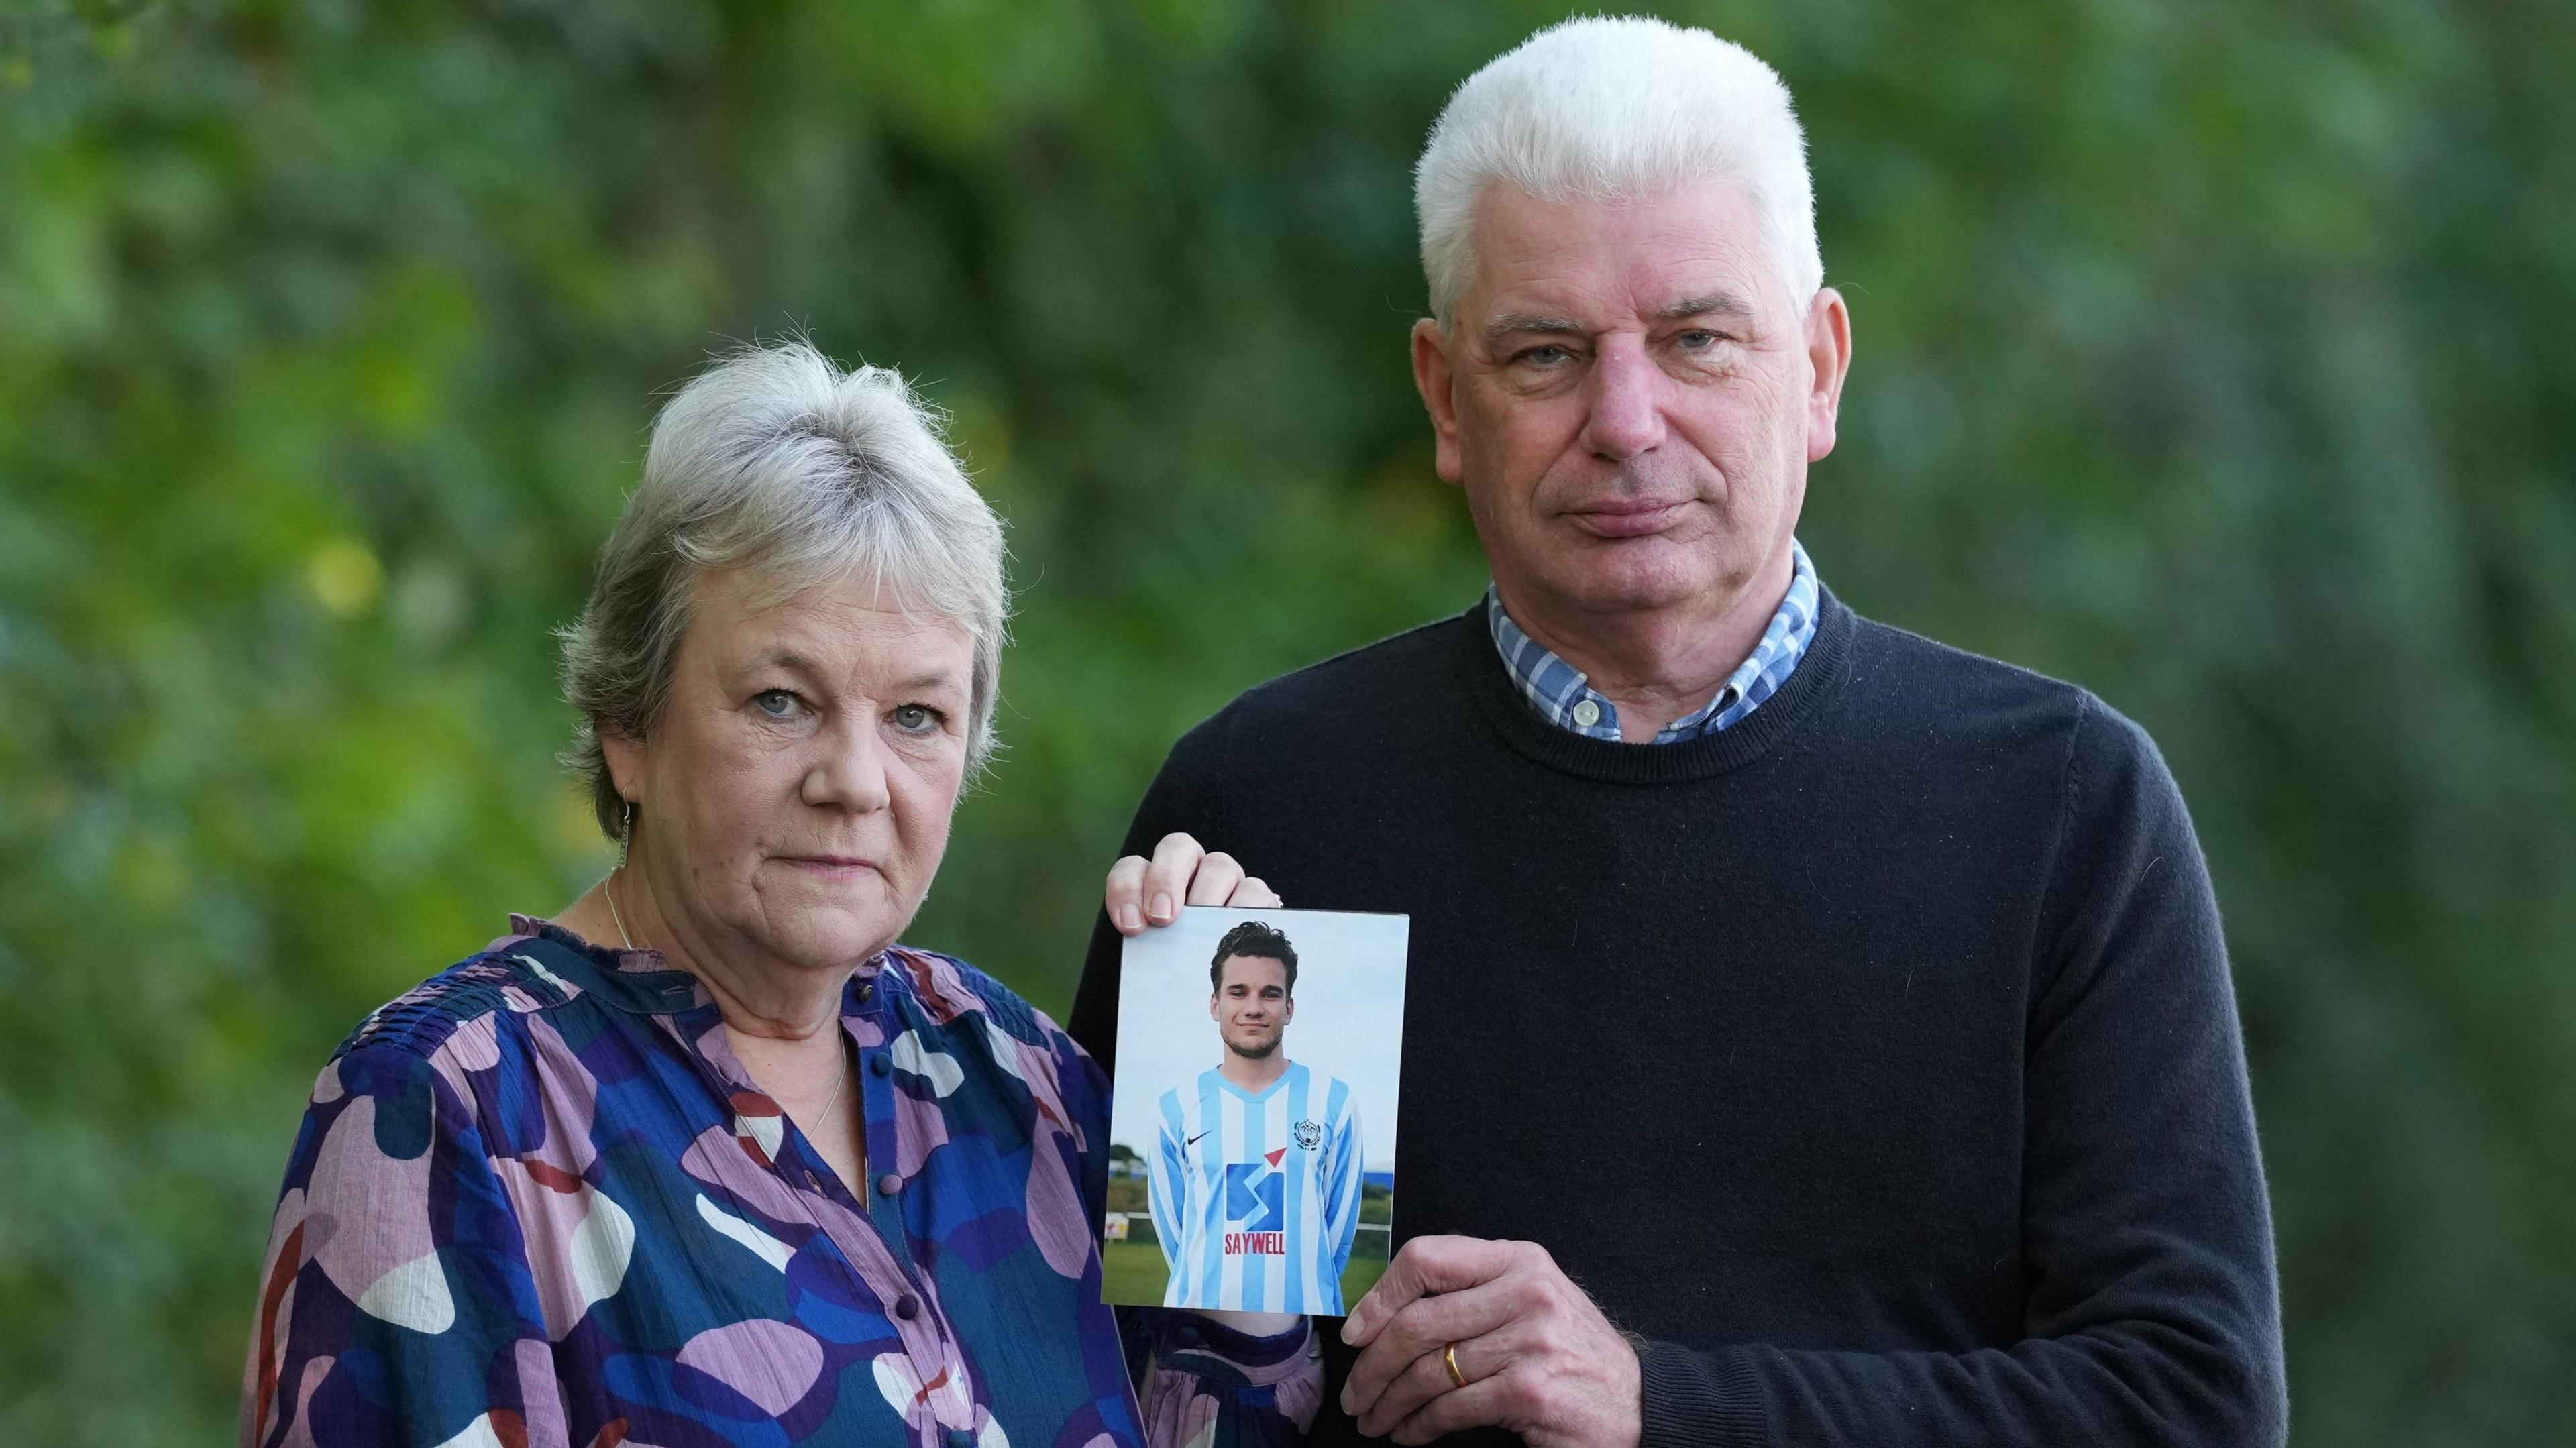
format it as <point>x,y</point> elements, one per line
<point>626,835</point>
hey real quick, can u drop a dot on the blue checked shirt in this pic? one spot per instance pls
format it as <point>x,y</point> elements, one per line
<point>1559,692</point>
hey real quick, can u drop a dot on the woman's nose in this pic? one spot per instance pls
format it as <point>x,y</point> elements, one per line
<point>851,774</point>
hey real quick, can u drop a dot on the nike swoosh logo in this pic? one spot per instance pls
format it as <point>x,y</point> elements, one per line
<point>1193,1141</point>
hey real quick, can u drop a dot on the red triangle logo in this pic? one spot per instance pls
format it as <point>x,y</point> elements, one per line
<point>1274,1156</point>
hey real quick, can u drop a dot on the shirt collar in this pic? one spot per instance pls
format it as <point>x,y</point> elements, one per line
<point>1563,697</point>
<point>637,979</point>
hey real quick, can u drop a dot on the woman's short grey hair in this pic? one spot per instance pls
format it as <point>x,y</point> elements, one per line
<point>1616,110</point>
<point>777,461</point>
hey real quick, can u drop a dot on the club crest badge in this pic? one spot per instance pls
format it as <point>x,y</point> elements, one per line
<point>1309,1135</point>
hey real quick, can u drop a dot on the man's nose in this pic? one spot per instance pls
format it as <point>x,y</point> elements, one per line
<point>850,773</point>
<point>1627,413</point>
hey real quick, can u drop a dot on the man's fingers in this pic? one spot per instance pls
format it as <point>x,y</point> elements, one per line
<point>1423,1265</point>
<point>1167,879</point>
<point>1482,1403</point>
<point>1214,883</point>
<point>1423,1379</point>
<point>1426,1376</point>
<point>1125,893</point>
<point>1425,1326</point>
<point>1142,892</point>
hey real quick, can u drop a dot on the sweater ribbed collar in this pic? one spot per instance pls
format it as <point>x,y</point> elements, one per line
<point>1819,675</point>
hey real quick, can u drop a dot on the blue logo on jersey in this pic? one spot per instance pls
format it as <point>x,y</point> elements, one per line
<point>1252,1197</point>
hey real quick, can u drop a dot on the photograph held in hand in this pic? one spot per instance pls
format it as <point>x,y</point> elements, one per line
<point>1253,1124</point>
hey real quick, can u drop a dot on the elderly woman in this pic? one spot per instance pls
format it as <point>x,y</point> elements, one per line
<point>708,1159</point>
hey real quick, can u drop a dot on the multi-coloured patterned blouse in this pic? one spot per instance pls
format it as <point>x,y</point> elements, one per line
<point>538,1201</point>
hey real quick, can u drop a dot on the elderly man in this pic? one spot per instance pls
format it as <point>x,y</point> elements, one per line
<point>1817,1035</point>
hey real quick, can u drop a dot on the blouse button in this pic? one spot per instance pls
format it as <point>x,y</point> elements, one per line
<point>867,991</point>
<point>880,1065</point>
<point>957,1438</point>
<point>889,1184</point>
<point>907,1307</point>
<point>813,1179</point>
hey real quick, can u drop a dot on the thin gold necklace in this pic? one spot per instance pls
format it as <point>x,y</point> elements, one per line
<point>837,1083</point>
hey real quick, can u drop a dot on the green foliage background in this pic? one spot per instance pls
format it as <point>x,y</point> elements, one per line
<point>2214,355</point>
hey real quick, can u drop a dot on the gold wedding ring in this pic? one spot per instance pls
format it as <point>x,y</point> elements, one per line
<point>1451,1358</point>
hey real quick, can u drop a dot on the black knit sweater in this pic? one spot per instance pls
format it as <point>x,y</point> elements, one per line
<point>1874,1059</point>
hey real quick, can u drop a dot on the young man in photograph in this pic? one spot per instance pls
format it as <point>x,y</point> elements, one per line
<point>1255,1181</point>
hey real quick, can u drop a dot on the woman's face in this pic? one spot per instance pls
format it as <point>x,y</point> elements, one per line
<point>792,802</point>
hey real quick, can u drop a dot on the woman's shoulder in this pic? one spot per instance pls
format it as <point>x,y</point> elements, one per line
<point>948,990</point>
<point>462,1007</point>
<point>959,1024</point>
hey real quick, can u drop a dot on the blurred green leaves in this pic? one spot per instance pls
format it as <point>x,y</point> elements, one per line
<point>2213,356</point>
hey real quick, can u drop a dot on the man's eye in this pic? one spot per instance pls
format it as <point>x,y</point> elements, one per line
<point>1695,340</point>
<point>1546,356</point>
<point>777,703</point>
<point>918,718</point>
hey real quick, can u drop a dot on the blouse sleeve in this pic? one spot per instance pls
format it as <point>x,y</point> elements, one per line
<point>396,1306</point>
<point>1206,1383</point>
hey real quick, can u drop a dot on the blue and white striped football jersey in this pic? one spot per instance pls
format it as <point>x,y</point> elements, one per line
<point>1256,1196</point>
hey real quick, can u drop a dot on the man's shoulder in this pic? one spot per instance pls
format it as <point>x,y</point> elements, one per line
<point>1385,674</point>
<point>1939,694</point>
<point>1326,1091</point>
<point>1181,1101</point>
<point>1900,652</point>
<point>1955,689</point>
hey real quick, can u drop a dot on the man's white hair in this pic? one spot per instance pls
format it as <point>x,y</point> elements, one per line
<point>1616,110</point>
<point>778,462</point>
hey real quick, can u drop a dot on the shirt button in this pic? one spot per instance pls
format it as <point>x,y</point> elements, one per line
<point>907,1307</point>
<point>957,1438</point>
<point>814,1179</point>
<point>889,1184</point>
<point>880,1065</point>
<point>1587,713</point>
<point>867,991</point>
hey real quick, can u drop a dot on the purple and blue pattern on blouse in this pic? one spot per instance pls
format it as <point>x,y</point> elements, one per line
<point>539,1201</point>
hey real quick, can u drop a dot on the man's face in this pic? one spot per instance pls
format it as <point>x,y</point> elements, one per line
<point>1629,400</point>
<point>1251,1007</point>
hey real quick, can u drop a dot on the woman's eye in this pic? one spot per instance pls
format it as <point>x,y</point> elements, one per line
<point>917,718</point>
<point>776,703</point>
